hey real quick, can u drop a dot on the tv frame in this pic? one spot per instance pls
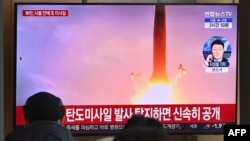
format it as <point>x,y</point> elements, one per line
<point>114,132</point>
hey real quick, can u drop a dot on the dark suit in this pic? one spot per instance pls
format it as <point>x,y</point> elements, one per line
<point>223,60</point>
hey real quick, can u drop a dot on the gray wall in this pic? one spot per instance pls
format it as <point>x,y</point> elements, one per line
<point>1,71</point>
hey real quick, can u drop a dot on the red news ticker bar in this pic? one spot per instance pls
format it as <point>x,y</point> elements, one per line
<point>119,114</point>
<point>45,12</point>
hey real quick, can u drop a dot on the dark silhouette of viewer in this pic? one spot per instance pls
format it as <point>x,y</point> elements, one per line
<point>43,113</point>
<point>140,128</point>
<point>139,120</point>
<point>142,134</point>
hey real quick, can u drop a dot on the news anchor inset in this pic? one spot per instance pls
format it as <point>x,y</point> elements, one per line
<point>216,52</point>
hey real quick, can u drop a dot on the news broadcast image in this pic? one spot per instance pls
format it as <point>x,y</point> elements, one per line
<point>107,62</point>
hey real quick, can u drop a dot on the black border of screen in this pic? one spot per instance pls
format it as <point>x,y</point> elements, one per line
<point>84,2</point>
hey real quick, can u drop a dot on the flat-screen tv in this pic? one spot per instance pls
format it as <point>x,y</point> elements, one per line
<point>173,62</point>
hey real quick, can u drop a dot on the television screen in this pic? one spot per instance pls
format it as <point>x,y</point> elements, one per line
<point>173,62</point>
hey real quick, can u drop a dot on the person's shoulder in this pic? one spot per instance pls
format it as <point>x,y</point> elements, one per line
<point>224,59</point>
<point>49,126</point>
<point>10,137</point>
<point>44,129</point>
<point>54,129</point>
<point>14,135</point>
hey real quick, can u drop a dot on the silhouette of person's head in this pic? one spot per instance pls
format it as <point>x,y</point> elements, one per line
<point>43,113</point>
<point>142,134</point>
<point>141,128</point>
<point>43,106</point>
<point>142,121</point>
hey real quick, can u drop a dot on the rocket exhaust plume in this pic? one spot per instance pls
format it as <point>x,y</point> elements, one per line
<point>159,46</point>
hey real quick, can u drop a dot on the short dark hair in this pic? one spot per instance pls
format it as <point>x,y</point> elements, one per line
<point>142,128</point>
<point>142,134</point>
<point>217,42</point>
<point>43,106</point>
<point>139,120</point>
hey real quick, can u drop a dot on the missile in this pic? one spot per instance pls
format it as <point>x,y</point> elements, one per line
<point>159,46</point>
